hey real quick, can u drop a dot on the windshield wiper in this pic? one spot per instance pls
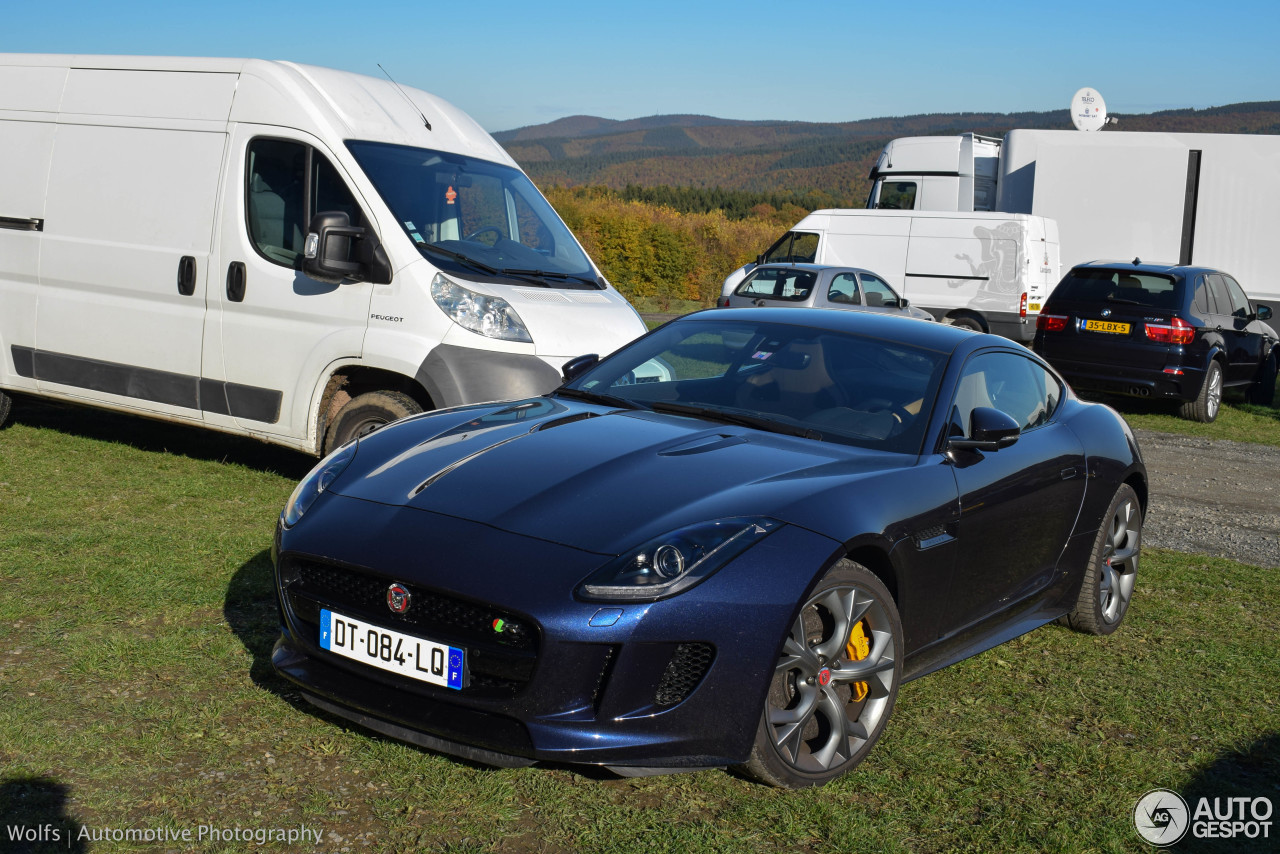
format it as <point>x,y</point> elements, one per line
<point>458,256</point>
<point>743,419</point>
<point>598,397</point>
<point>545,274</point>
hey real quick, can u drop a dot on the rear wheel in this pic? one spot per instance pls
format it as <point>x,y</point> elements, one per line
<point>366,413</point>
<point>1112,572</point>
<point>965,321</point>
<point>833,686</point>
<point>1263,390</point>
<point>1205,407</point>
<point>6,406</point>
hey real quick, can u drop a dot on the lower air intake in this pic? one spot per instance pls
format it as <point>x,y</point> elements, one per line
<point>689,663</point>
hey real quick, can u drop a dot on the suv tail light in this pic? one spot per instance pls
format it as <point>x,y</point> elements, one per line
<point>1022,307</point>
<point>1051,322</point>
<point>1177,331</point>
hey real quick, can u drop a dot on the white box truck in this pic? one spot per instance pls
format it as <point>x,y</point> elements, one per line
<point>1184,198</point>
<point>277,250</point>
<point>982,271</point>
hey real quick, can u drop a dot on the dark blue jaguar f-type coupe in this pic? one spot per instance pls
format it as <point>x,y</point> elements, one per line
<point>727,544</point>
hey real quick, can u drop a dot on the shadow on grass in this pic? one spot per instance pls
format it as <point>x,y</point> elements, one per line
<point>34,810</point>
<point>1252,773</point>
<point>159,436</point>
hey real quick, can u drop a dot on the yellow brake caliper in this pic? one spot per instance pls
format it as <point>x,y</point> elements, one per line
<point>858,648</point>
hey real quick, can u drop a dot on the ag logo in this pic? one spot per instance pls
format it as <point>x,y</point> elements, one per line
<point>1161,817</point>
<point>398,598</point>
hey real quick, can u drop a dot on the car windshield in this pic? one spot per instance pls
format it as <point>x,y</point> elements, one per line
<point>471,216</point>
<point>833,386</point>
<point>1120,286</point>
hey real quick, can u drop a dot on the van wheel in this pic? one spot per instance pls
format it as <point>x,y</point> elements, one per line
<point>965,321</point>
<point>366,413</point>
<point>1205,407</point>
<point>6,405</point>
<point>1263,390</point>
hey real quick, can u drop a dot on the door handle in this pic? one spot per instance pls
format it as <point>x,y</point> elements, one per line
<point>236,281</point>
<point>187,276</point>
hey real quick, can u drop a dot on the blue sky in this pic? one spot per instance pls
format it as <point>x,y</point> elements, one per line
<point>511,64</point>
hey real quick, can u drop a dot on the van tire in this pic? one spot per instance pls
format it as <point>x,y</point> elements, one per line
<point>366,413</point>
<point>6,406</point>
<point>965,321</point>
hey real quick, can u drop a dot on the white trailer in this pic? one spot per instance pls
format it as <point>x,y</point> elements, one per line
<point>1187,198</point>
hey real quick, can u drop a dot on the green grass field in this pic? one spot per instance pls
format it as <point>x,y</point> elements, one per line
<point>136,623</point>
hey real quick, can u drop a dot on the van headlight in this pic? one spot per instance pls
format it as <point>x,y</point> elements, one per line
<point>316,482</point>
<point>674,562</point>
<point>492,317</point>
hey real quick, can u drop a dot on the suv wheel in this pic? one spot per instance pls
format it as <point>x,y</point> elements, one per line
<point>1205,407</point>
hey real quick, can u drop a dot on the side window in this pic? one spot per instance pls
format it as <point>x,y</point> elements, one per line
<point>1202,304</point>
<point>877,290</point>
<point>1013,384</point>
<point>794,247</point>
<point>287,183</point>
<point>1239,302</point>
<point>1219,290</point>
<point>898,195</point>
<point>844,290</point>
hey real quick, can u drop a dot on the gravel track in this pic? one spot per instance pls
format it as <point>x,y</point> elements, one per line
<point>1213,497</point>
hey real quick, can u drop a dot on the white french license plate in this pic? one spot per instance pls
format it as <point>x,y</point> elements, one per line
<point>386,649</point>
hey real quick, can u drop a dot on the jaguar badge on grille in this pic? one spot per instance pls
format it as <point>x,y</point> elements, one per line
<point>398,598</point>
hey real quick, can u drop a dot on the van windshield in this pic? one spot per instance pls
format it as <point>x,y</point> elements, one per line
<point>475,218</point>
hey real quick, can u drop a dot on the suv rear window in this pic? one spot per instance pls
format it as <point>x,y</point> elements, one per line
<point>1125,287</point>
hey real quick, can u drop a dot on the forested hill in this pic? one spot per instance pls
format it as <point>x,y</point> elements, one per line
<point>826,163</point>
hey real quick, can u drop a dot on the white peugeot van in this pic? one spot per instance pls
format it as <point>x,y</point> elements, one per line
<point>283,251</point>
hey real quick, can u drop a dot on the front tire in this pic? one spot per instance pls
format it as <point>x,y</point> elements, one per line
<point>845,641</point>
<point>363,414</point>
<point>1112,572</point>
<point>6,406</point>
<point>1205,407</point>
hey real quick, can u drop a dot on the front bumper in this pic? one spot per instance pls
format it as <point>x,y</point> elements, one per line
<point>675,684</point>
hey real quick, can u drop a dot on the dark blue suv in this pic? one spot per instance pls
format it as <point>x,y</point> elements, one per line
<point>1155,330</point>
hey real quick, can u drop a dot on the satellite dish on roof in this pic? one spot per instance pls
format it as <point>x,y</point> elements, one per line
<point>1088,110</point>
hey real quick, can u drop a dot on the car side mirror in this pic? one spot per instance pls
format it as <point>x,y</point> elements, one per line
<point>336,250</point>
<point>903,302</point>
<point>989,430</point>
<point>578,366</point>
<point>1264,312</point>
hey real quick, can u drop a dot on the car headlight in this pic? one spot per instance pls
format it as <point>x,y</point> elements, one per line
<point>674,562</point>
<point>316,482</point>
<point>492,317</point>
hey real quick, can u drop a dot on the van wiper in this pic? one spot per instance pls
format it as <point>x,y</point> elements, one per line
<point>458,256</point>
<point>598,397</point>
<point>544,274</point>
<point>742,419</point>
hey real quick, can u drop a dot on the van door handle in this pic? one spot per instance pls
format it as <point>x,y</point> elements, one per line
<point>187,276</point>
<point>235,281</point>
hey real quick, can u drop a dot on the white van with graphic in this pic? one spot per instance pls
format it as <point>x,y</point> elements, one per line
<point>282,251</point>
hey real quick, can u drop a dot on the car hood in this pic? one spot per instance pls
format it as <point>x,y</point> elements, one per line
<point>593,478</point>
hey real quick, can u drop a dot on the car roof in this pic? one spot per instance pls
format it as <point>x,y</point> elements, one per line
<point>893,327</point>
<point>1137,266</point>
<point>812,268</point>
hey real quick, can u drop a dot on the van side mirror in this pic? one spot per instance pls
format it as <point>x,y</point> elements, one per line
<point>336,250</point>
<point>576,367</point>
<point>989,430</point>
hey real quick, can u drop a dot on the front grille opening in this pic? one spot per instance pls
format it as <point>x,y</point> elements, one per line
<point>502,648</point>
<point>689,663</point>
